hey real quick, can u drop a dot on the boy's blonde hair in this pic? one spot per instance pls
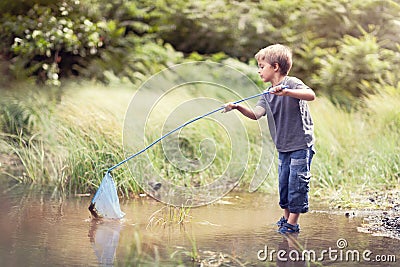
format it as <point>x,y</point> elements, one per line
<point>276,53</point>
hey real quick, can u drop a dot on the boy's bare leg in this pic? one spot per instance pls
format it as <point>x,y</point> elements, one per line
<point>293,218</point>
<point>286,213</point>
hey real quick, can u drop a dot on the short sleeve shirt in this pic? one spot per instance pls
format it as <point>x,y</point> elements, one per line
<point>293,122</point>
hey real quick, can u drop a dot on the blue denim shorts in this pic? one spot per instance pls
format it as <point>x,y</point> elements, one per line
<point>294,178</point>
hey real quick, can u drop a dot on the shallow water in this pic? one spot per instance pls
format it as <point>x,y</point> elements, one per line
<point>38,229</point>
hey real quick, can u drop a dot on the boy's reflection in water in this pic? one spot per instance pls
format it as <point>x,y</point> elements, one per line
<point>104,237</point>
<point>290,252</point>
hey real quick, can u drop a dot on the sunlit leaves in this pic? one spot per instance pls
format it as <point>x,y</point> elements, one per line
<point>334,42</point>
<point>84,38</point>
<point>346,71</point>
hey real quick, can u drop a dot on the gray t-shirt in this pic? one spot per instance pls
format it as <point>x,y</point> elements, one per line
<point>293,122</point>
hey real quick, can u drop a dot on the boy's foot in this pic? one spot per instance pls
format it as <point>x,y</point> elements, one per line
<point>288,228</point>
<point>281,222</point>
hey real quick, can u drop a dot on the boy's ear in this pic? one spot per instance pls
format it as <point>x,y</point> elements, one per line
<point>276,66</point>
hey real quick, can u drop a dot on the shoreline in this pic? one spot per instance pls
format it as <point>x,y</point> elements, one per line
<point>379,210</point>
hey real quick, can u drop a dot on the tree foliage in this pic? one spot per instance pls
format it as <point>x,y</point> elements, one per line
<point>343,48</point>
<point>72,37</point>
<point>356,68</point>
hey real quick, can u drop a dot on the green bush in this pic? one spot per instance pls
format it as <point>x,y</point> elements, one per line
<point>48,38</point>
<point>237,28</point>
<point>71,37</point>
<point>346,72</point>
<point>343,48</point>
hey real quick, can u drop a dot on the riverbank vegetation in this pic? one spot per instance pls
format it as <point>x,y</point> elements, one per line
<point>70,67</point>
<point>70,143</point>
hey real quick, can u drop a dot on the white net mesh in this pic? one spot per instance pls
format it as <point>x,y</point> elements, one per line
<point>106,200</point>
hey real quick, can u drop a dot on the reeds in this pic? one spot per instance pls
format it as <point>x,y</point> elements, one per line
<point>169,215</point>
<point>69,142</point>
<point>357,150</point>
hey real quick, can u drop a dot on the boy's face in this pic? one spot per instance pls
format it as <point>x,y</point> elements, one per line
<point>265,70</point>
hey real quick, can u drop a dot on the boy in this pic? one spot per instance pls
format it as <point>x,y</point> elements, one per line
<point>294,137</point>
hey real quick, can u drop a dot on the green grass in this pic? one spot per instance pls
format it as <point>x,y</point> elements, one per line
<point>169,215</point>
<point>357,151</point>
<point>69,140</point>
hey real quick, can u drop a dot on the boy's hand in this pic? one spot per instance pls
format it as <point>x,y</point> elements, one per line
<point>278,90</point>
<point>228,107</point>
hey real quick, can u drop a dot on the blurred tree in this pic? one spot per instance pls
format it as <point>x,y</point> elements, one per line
<point>238,28</point>
<point>331,20</point>
<point>19,7</point>
<point>73,37</point>
<point>346,71</point>
<point>53,39</point>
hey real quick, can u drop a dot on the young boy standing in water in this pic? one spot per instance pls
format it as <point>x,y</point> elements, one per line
<point>294,138</point>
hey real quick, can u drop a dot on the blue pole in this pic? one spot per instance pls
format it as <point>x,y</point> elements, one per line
<point>185,124</point>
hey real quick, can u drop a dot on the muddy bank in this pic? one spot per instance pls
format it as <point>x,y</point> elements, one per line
<point>380,211</point>
<point>385,224</point>
<point>386,221</point>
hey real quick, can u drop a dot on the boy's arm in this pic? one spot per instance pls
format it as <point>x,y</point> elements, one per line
<point>302,94</point>
<point>255,114</point>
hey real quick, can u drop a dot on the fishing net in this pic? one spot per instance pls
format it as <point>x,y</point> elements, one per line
<point>105,203</point>
<point>193,87</point>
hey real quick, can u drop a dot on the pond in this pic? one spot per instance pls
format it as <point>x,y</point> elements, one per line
<point>43,229</point>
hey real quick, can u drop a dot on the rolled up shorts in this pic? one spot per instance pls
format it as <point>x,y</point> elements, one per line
<point>294,178</point>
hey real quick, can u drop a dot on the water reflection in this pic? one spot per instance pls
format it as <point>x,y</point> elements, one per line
<point>290,252</point>
<point>38,229</point>
<point>104,237</point>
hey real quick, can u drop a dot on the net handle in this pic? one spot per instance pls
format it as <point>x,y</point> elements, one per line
<point>191,121</point>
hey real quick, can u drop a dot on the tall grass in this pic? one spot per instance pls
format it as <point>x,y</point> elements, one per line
<point>70,141</point>
<point>76,138</point>
<point>357,151</point>
<point>90,131</point>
